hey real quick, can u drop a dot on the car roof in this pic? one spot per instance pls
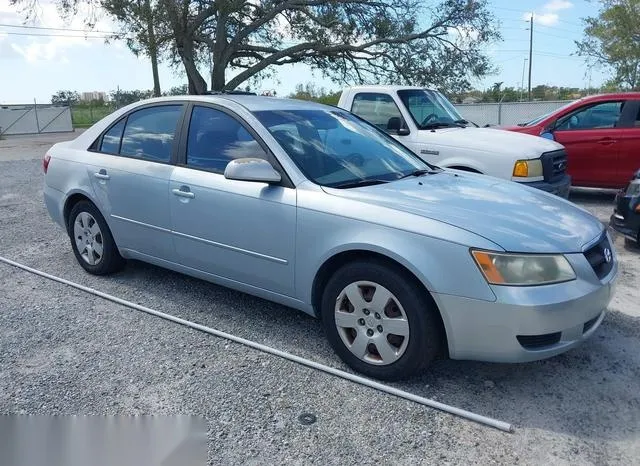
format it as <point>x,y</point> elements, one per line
<point>252,103</point>
<point>613,95</point>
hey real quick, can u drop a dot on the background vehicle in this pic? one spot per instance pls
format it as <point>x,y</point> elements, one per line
<point>428,124</point>
<point>601,135</point>
<point>626,214</point>
<point>309,206</point>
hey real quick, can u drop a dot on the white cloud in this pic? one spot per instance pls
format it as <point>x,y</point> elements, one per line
<point>557,5</point>
<point>52,45</point>
<point>545,19</point>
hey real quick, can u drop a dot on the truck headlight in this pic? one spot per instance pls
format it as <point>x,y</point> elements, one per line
<point>528,169</point>
<point>523,269</point>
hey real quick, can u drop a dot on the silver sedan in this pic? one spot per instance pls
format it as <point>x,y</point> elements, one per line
<point>309,206</point>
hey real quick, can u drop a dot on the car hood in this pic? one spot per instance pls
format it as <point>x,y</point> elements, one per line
<point>517,218</point>
<point>492,140</point>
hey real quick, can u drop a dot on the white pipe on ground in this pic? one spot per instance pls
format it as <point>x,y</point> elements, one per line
<point>504,426</point>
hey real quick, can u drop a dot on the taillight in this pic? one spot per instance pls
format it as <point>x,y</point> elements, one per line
<point>45,163</point>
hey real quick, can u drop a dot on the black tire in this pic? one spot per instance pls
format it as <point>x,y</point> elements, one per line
<point>111,261</point>
<point>425,328</point>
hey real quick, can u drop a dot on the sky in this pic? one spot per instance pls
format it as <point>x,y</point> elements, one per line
<point>35,63</point>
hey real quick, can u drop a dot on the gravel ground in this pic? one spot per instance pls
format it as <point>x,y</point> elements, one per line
<point>66,352</point>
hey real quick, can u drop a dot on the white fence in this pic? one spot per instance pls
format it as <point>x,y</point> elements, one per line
<point>509,113</point>
<point>34,119</point>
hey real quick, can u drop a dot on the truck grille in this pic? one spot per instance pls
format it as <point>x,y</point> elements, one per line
<point>554,165</point>
<point>597,256</point>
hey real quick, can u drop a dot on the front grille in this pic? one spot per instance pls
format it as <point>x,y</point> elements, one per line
<point>554,165</point>
<point>539,341</point>
<point>600,257</point>
<point>589,324</point>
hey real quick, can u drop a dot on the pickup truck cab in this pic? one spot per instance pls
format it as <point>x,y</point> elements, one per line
<point>428,124</point>
<point>601,134</point>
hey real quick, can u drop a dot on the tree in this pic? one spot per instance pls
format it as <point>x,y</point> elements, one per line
<point>437,43</point>
<point>309,91</point>
<point>137,20</point>
<point>612,40</point>
<point>178,90</point>
<point>65,98</point>
<point>122,98</point>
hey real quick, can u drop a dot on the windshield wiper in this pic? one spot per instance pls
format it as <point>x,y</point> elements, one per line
<point>442,124</point>
<point>358,183</point>
<point>419,172</point>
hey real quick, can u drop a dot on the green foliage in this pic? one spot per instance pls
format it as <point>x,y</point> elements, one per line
<point>612,40</point>
<point>309,91</point>
<point>121,98</point>
<point>65,98</point>
<point>177,90</point>
<point>541,92</point>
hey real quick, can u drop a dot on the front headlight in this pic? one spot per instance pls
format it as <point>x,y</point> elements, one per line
<point>523,269</point>
<point>528,169</point>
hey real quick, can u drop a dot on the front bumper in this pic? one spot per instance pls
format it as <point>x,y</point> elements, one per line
<point>528,323</point>
<point>560,187</point>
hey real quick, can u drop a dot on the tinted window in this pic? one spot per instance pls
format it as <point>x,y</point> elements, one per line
<point>428,107</point>
<point>600,116</point>
<point>149,133</point>
<point>377,109</point>
<point>111,139</point>
<point>216,138</point>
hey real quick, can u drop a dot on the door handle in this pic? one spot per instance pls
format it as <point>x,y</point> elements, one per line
<point>183,193</point>
<point>607,141</point>
<point>102,175</point>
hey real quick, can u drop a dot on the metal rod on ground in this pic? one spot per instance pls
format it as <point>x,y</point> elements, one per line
<point>504,426</point>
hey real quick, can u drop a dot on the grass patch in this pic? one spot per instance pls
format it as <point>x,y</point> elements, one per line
<point>83,117</point>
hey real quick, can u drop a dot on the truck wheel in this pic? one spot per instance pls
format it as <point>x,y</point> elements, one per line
<point>379,322</point>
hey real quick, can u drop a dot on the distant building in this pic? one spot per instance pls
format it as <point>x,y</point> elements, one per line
<point>95,95</point>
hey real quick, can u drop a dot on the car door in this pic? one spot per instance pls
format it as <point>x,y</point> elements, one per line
<point>591,137</point>
<point>130,176</point>
<point>629,156</point>
<point>238,230</point>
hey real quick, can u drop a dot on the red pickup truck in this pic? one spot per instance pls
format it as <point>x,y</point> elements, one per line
<point>601,134</point>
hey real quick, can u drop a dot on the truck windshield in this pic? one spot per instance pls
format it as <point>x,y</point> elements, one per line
<point>430,109</point>
<point>337,149</point>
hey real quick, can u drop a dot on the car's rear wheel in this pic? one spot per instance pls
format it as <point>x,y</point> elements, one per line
<point>91,240</point>
<point>379,320</point>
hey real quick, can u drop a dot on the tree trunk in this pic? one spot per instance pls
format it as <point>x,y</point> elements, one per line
<point>197,84</point>
<point>217,78</point>
<point>153,49</point>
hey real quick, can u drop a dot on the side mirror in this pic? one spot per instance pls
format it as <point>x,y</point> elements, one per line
<point>547,134</point>
<point>251,169</point>
<point>396,125</point>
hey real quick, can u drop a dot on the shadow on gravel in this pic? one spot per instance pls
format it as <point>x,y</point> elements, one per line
<point>592,391</point>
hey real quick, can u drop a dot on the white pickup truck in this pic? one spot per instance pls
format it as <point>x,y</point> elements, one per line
<point>427,123</point>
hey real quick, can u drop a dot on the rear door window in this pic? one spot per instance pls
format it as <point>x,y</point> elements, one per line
<point>149,133</point>
<point>111,140</point>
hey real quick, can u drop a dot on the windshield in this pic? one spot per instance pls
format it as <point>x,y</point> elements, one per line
<point>430,108</point>
<point>335,148</point>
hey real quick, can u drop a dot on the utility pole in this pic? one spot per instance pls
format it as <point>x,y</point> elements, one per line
<point>530,52</point>
<point>524,65</point>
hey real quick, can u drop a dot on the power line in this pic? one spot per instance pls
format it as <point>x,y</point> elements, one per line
<point>32,34</point>
<point>57,29</point>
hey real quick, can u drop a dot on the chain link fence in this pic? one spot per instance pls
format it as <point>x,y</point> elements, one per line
<point>507,113</point>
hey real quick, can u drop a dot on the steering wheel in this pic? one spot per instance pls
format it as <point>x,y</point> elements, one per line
<point>355,159</point>
<point>428,118</point>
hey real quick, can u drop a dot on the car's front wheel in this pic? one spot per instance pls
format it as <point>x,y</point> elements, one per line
<point>91,240</point>
<point>379,320</point>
